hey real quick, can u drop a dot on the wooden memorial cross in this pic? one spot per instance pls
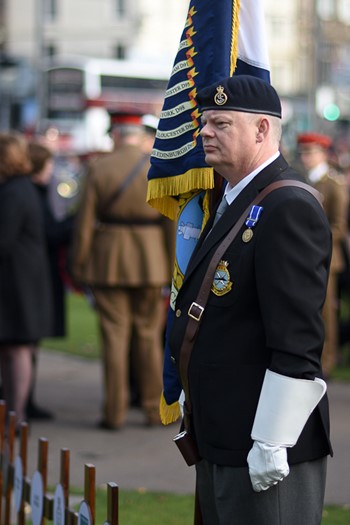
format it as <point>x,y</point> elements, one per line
<point>8,459</point>
<point>64,482</point>
<point>41,504</point>
<point>21,482</point>
<point>86,514</point>
<point>62,514</point>
<point>112,504</point>
<point>14,478</point>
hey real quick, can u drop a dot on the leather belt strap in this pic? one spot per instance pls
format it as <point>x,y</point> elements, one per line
<point>197,308</point>
<point>135,171</point>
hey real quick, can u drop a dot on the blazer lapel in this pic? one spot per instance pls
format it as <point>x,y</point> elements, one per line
<point>208,240</point>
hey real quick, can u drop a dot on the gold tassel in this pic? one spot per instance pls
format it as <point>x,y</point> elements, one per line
<point>169,413</point>
<point>206,209</point>
<point>162,193</point>
<point>234,38</point>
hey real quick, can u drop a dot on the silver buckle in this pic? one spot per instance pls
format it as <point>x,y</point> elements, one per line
<point>196,315</point>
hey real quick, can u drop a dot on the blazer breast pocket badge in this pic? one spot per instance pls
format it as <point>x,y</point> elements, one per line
<point>221,282</point>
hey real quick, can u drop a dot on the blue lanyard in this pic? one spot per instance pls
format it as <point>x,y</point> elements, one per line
<point>254,216</point>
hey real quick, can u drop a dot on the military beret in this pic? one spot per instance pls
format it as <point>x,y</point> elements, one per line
<point>314,138</point>
<point>241,93</point>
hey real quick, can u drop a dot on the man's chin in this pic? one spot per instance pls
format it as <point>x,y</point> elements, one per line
<point>210,158</point>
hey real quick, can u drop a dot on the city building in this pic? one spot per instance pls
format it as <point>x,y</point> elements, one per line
<point>146,29</point>
<point>308,47</point>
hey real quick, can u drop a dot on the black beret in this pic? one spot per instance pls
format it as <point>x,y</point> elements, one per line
<point>241,93</point>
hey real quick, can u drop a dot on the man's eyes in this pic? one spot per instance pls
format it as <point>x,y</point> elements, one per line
<point>218,123</point>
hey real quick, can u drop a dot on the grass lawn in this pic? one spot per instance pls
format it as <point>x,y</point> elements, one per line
<point>136,507</point>
<point>83,340</point>
<point>149,508</point>
<point>82,332</point>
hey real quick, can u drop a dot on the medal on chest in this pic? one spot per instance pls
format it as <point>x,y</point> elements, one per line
<point>221,282</point>
<point>254,216</point>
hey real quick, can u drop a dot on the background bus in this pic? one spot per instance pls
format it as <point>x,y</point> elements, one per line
<point>78,92</point>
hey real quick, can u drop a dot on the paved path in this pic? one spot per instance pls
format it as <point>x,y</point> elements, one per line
<point>138,456</point>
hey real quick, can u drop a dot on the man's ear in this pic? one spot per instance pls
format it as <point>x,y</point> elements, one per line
<point>263,128</point>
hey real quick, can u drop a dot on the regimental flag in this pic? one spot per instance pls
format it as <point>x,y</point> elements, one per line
<point>220,38</point>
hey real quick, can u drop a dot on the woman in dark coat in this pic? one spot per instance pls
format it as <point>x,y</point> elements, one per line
<point>25,286</point>
<point>57,238</point>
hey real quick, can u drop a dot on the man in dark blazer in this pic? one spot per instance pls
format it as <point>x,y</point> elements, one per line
<point>259,411</point>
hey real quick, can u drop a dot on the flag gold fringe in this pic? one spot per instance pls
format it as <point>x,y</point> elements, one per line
<point>169,413</point>
<point>236,4</point>
<point>206,209</point>
<point>162,193</point>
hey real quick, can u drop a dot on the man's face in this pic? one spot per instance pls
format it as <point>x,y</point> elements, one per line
<point>229,139</point>
<point>311,155</point>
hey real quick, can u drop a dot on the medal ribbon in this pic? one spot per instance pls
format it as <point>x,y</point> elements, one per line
<point>254,216</point>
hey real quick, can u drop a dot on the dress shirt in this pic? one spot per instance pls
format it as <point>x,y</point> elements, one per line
<point>231,192</point>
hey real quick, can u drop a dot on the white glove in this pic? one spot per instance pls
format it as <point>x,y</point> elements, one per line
<point>267,465</point>
<point>284,407</point>
<point>182,402</point>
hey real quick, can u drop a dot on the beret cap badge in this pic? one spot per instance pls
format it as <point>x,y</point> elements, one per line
<point>220,97</point>
<point>244,93</point>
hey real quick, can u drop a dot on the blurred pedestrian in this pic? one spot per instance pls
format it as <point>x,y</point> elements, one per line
<point>314,150</point>
<point>150,124</point>
<point>122,250</point>
<point>57,237</point>
<point>344,281</point>
<point>25,286</point>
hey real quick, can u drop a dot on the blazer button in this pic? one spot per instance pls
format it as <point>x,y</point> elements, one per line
<point>172,358</point>
<point>178,312</point>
